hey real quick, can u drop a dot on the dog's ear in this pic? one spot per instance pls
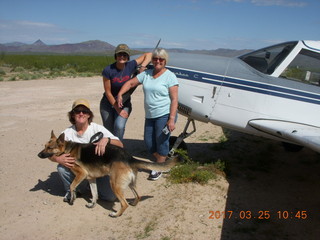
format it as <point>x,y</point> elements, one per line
<point>52,134</point>
<point>61,138</point>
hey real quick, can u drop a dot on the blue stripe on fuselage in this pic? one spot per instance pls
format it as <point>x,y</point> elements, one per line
<point>247,85</point>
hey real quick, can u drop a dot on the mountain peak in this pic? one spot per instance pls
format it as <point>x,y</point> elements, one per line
<point>39,43</point>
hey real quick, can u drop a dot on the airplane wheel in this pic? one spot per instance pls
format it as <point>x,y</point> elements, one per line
<point>182,145</point>
<point>291,147</point>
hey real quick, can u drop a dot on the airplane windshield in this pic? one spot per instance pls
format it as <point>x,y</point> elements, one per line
<point>266,60</point>
<point>305,67</point>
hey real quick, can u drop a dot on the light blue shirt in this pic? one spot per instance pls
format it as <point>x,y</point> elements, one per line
<point>156,92</point>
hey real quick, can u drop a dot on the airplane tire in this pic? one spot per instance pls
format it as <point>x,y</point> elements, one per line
<point>291,147</point>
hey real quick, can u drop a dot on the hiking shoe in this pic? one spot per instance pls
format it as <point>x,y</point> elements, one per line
<point>154,175</point>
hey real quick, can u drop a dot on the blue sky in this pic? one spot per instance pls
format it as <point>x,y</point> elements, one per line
<point>190,24</point>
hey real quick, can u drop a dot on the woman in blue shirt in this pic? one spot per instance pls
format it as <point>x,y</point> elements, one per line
<point>114,76</point>
<point>160,88</point>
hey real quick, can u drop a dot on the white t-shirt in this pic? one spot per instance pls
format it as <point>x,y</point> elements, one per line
<point>70,134</point>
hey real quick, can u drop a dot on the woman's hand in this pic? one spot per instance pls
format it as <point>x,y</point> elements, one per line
<point>119,101</point>
<point>120,111</point>
<point>171,125</point>
<point>142,69</point>
<point>125,88</point>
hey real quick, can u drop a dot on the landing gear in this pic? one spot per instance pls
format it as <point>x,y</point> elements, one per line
<point>172,141</point>
<point>177,142</point>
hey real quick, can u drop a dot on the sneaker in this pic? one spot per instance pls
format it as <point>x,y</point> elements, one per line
<point>154,175</point>
<point>67,197</point>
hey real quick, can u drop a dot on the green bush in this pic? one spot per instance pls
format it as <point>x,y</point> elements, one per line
<point>186,173</point>
<point>18,69</point>
<point>191,171</point>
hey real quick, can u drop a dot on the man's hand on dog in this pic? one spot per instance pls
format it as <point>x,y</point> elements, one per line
<point>101,146</point>
<point>65,160</point>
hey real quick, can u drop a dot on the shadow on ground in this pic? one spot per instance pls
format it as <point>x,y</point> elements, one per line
<point>273,194</point>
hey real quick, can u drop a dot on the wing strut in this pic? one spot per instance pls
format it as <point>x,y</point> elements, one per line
<point>183,135</point>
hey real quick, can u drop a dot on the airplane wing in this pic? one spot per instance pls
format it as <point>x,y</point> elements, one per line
<point>300,134</point>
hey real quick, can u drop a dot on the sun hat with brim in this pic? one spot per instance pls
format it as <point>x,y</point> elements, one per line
<point>82,102</point>
<point>122,48</point>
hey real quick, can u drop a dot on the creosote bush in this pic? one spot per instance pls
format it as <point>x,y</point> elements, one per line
<point>191,171</point>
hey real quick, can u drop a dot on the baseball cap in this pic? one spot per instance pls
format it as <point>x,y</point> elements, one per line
<point>81,101</point>
<point>122,48</point>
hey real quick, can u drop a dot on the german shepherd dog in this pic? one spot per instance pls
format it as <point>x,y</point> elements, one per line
<point>116,162</point>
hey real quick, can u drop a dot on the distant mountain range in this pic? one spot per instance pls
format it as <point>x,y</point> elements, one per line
<point>89,47</point>
<point>96,47</point>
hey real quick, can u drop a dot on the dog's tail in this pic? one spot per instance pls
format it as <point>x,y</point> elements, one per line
<point>159,167</point>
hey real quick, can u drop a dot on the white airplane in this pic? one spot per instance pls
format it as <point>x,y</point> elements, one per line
<point>273,92</point>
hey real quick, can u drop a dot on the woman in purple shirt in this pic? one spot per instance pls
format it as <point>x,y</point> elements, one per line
<point>114,76</point>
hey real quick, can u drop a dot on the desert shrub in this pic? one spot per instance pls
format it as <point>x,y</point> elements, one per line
<point>19,69</point>
<point>186,173</point>
<point>71,71</point>
<point>25,76</point>
<point>191,171</point>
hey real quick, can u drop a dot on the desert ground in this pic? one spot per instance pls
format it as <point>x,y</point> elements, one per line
<point>268,193</point>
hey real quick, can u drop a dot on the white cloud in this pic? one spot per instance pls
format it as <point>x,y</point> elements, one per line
<point>29,32</point>
<point>35,24</point>
<point>17,25</point>
<point>284,3</point>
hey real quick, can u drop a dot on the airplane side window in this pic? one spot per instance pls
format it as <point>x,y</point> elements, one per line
<point>279,54</point>
<point>258,63</point>
<point>304,68</point>
<point>268,59</point>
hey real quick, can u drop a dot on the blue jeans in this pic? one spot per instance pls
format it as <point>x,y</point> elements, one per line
<point>111,119</point>
<point>103,184</point>
<point>154,138</point>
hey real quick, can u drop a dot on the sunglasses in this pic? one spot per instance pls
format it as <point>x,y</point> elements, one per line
<point>158,59</point>
<point>122,54</point>
<point>78,111</point>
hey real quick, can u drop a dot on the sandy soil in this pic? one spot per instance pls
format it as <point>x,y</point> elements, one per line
<point>263,180</point>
